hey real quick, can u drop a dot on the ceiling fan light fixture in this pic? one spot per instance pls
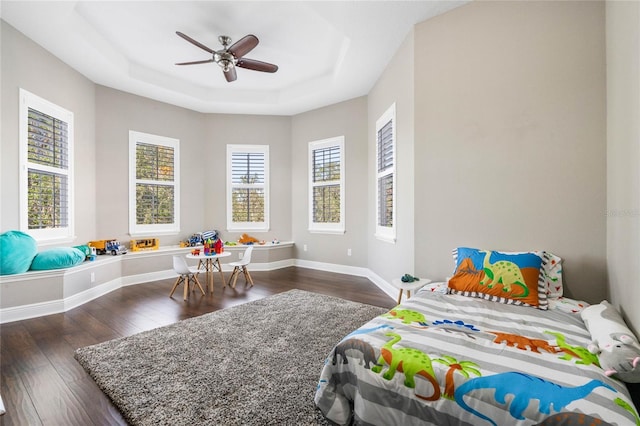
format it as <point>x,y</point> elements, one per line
<point>225,64</point>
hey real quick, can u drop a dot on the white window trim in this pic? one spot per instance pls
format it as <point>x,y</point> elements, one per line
<point>136,230</point>
<point>386,233</point>
<point>247,226</point>
<point>52,235</point>
<point>327,228</point>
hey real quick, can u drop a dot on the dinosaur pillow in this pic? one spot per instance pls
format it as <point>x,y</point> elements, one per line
<point>551,268</point>
<point>515,279</point>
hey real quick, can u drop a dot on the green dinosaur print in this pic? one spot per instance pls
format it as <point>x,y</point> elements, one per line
<point>503,272</point>
<point>406,315</point>
<point>408,361</point>
<point>570,351</point>
<point>622,403</point>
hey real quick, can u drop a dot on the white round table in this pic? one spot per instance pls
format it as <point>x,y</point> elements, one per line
<point>408,287</point>
<point>210,263</point>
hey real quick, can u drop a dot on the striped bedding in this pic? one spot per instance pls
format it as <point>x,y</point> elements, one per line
<point>453,360</point>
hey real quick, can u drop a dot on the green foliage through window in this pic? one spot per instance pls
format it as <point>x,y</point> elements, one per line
<point>47,200</point>
<point>154,198</point>
<point>326,184</point>
<point>47,185</point>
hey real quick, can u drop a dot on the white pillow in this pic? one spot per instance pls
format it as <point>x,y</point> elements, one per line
<point>617,346</point>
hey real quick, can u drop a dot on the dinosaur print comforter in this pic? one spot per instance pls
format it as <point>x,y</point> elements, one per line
<point>452,360</point>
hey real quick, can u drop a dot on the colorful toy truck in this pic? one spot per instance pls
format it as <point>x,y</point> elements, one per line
<point>199,238</point>
<point>145,244</point>
<point>196,239</point>
<point>111,246</point>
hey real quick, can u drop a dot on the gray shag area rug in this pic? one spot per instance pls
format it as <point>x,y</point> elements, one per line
<point>251,364</point>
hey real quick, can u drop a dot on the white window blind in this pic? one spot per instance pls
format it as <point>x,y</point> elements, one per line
<point>326,185</point>
<point>247,178</point>
<point>385,176</point>
<point>46,178</point>
<point>154,184</point>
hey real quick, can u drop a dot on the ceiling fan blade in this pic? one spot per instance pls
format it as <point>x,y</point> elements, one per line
<point>243,46</point>
<point>252,64</point>
<point>206,61</point>
<point>230,75</point>
<point>195,42</point>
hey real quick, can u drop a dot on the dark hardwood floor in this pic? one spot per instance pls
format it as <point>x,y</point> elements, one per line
<point>43,384</point>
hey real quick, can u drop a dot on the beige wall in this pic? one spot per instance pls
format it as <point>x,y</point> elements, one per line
<point>203,141</point>
<point>623,157</point>
<point>510,136</point>
<point>119,112</point>
<point>395,85</point>
<point>275,131</point>
<point>23,66</point>
<point>348,119</point>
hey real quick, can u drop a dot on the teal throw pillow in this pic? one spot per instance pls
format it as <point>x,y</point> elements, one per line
<point>57,258</point>
<point>17,250</point>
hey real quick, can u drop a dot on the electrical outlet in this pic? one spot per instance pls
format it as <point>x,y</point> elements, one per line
<point>348,252</point>
<point>93,277</point>
<point>304,247</point>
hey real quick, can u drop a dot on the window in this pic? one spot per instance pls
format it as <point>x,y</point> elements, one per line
<point>248,187</point>
<point>154,184</point>
<point>386,175</point>
<point>326,185</point>
<point>46,172</point>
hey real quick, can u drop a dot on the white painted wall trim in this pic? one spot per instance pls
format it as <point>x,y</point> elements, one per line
<point>93,293</point>
<point>19,313</point>
<point>357,271</point>
<point>34,310</point>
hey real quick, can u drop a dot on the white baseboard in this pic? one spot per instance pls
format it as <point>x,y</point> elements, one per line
<point>34,310</point>
<point>90,294</point>
<point>19,313</point>
<point>148,277</point>
<point>357,271</point>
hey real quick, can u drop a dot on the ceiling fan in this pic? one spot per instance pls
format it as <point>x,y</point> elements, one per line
<point>232,56</point>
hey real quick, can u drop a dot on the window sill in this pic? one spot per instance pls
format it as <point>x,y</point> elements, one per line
<point>327,231</point>
<point>386,238</point>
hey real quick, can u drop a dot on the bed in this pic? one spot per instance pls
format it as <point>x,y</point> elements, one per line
<point>471,359</point>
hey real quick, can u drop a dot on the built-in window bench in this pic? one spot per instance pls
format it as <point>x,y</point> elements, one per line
<point>37,293</point>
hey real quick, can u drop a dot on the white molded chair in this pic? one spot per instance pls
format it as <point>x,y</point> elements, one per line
<point>187,274</point>
<point>241,265</point>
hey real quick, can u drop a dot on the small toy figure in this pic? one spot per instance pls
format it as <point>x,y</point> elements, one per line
<point>406,278</point>
<point>247,239</point>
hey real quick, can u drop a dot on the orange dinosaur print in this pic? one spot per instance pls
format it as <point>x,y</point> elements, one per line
<point>523,342</point>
